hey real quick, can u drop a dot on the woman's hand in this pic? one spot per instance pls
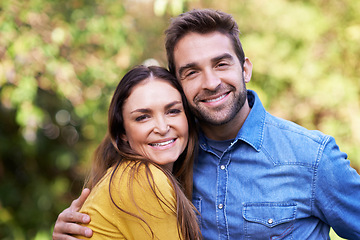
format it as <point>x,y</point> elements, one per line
<point>68,220</point>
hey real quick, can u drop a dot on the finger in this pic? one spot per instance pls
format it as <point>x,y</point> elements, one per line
<point>62,231</point>
<point>57,236</point>
<point>77,203</point>
<point>68,216</point>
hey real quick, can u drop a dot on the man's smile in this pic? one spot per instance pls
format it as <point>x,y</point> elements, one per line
<point>216,98</point>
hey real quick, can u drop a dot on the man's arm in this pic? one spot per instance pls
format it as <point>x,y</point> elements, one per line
<point>337,192</point>
<point>67,222</point>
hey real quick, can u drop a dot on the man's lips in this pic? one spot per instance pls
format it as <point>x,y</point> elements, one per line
<point>216,98</point>
<point>161,144</point>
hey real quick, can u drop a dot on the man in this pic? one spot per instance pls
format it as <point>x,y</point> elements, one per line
<point>256,176</point>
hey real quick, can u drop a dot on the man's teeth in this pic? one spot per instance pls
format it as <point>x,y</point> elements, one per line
<point>216,99</point>
<point>162,143</point>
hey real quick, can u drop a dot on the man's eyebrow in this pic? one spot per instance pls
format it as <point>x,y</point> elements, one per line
<point>183,68</point>
<point>215,59</point>
<point>221,57</point>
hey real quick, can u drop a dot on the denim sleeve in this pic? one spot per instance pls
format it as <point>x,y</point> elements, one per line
<point>336,191</point>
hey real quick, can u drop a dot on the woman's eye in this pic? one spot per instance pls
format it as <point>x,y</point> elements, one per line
<point>141,118</point>
<point>174,111</point>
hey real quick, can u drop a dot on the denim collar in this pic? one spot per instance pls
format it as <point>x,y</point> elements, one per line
<point>252,132</point>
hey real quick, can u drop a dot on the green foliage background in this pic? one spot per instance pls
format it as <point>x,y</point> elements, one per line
<point>61,60</point>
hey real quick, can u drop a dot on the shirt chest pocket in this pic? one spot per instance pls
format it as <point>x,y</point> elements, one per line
<point>269,220</point>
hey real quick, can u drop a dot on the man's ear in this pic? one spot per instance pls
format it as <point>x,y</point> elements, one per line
<point>247,70</point>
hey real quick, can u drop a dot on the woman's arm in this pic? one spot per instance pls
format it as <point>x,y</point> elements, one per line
<point>69,220</point>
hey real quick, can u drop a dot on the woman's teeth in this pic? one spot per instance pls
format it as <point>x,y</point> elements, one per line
<point>162,143</point>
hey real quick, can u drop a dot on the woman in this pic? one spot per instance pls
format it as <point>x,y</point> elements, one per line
<point>144,164</point>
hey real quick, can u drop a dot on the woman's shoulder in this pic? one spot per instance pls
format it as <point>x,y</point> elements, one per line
<point>146,184</point>
<point>141,175</point>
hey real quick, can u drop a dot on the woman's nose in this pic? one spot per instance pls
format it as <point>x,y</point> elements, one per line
<point>161,126</point>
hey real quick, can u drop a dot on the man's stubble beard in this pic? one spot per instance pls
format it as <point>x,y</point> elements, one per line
<point>224,114</point>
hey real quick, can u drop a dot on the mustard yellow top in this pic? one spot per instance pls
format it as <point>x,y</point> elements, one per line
<point>109,222</point>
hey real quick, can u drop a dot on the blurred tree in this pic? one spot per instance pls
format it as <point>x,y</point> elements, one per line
<point>61,60</point>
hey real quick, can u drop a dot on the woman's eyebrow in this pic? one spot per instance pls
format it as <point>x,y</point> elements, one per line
<point>141,110</point>
<point>146,110</point>
<point>169,105</point>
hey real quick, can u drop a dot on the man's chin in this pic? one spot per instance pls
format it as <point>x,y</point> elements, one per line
<point>214,121</point>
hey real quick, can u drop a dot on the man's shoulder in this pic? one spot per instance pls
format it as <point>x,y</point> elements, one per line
<point>282,127</point>
<point>292,143</point>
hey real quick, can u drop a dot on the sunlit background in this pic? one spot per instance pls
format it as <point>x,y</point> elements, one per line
<point>61,60</point>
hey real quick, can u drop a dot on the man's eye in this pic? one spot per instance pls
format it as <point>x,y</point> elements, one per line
<point>222,64</point>
<point>190,73</point>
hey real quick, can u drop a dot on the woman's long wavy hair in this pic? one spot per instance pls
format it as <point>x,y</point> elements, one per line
<point>114,150</point>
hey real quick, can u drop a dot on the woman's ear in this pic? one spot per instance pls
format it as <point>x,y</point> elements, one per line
<point>124,137</point>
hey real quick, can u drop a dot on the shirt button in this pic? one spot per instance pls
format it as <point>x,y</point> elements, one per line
<point>270,221</point>
<point>220,206</point>
<point>222,167</point>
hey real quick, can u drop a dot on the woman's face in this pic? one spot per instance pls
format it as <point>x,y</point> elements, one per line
<point>155,122</point>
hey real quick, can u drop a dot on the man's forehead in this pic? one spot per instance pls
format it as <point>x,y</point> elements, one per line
<point>195,47</point>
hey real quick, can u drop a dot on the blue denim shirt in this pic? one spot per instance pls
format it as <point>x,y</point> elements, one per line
<point>277,180</point>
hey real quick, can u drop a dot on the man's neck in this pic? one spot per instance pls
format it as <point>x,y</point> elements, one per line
<point>229,130</point>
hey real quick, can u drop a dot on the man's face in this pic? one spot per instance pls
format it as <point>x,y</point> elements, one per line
<point>212,76</point>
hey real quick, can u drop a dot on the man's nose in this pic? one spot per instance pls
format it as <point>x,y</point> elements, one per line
<point>210,80</point>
